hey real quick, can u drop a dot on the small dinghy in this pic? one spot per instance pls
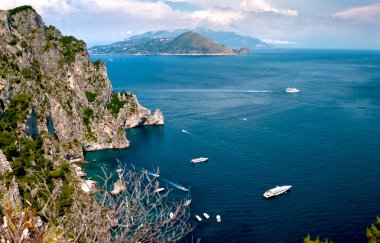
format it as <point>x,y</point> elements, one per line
<point>159,189</point>
<point>218,218</point>
<point>206,215</point>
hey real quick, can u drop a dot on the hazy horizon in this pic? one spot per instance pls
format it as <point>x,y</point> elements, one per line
<point>322,24</point>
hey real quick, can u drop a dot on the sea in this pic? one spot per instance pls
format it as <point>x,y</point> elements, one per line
<point>324,141</point>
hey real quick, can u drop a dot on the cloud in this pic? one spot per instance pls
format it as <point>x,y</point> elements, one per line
<point>366,14</point>
<point>279,42</point>
<point>215,17</point>
<point>263,6</point>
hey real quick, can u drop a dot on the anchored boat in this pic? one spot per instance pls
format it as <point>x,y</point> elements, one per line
<point>276,191</point>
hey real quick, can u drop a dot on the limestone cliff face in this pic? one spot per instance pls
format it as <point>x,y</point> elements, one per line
<point>72,104</point>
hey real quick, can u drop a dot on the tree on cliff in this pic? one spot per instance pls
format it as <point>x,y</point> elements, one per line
<point>138,214</point>
<point>308,239</point>
<point>373,232</point>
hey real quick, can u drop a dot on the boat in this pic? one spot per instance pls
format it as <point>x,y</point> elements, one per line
<point>171,215</point>
<point>218,218</point>
<point>206,215</point>
<point>198,218</point>
<point>187,203</point>
<point>292,90</point>
<point>159,189</point>
<point>199,160</point>
<point>276,191</point>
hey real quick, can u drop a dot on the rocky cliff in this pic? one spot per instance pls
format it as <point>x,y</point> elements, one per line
<point>69,100</point>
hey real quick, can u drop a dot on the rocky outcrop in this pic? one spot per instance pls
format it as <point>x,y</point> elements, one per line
<point>156,119</point>
<point>89,186</point>
<point>72,103</point>
<point>4,164</point>
<point>118,187</point>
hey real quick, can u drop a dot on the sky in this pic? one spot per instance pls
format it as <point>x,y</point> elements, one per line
<point>343,24</point>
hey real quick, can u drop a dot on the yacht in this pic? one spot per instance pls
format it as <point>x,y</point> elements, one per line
<point>276,191</point>
<point>292,90</point>
<point>198,218</point>
<point>199,160</point>
<point>206,215</point>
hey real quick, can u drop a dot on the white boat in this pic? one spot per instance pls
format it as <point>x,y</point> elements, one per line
<point>292,90</point>
<point>218,218</point>
<point>276,191</point>
<point>198,218</point>
<point>187,203</point>
<point>159,189</point>
<point>171,215</point>
<point>206,215</point>
<point>199,160</point>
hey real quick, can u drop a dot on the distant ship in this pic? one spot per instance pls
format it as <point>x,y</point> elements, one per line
<point>276,191</point>
<point>292,90</point>
<point>199,160</point>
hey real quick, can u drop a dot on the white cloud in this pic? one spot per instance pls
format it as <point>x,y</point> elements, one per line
<point>279,42</point>
<point>264,6</point>
<point>215,17</point>
<point>366,14</point>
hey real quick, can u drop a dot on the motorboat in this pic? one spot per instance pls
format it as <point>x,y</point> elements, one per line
<point>292,90</point>
<point>199,160</point>
<point>276,191</point>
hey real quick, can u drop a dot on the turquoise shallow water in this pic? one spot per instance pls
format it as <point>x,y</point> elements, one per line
<point>324,141</point>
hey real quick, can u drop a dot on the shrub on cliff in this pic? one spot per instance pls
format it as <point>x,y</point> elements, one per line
<point>373,232</point>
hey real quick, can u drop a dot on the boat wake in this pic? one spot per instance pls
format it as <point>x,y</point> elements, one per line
<point>152,174</point>
<point>176,185</point>
<point>184,131</point>
<point>219,91</point>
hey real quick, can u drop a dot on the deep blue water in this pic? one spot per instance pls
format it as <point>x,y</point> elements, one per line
<point>325,141</point>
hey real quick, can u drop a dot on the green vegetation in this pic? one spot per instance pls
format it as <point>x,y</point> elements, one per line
<point>97,64</point>
<point>88,115</point>
<point>13,41</point>
<point>27,158</point>
<point>115,104</point>
<point>70,46</point>
<point>317,240</point>
<point>373,232</point>
<point>20,9</point>
<point>91,97</point>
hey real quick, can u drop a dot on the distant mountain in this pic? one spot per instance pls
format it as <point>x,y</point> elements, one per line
<point>227,38</point>
<point>188,43</point>
<point>194,43</point>
<point>233,40</point>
